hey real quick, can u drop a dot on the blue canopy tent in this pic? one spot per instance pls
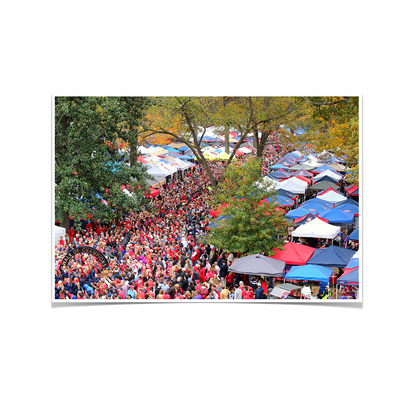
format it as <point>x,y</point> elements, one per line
<point>278,166</point>
<point>325,178</point>
<point>287,158</point>
<point>172,154</point>
<point>294,155</point>
<point>351,278</point>
<point>214,224</point>
<point>347,202</point>
<point>304,220</point>
<point>353,263</point>
<point>168,148</point>
<point>185,157</point>
<point>279,175</point>
<point>332,257</point>
<point>326,205</point>
<point>297,213</point>
<point>183,148</point>
<point>303,172</point>
<point>283,192</point>
<point>283,201</point>
<point>324,168</point>
<point>309,272</point>
<point>336,216</point>
<point>354,235</point>
<point>304,210</point>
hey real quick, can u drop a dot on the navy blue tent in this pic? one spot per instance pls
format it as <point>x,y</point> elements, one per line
<point>332,256</point>
<point>304,220</point>
<point>282,200</point>
<point>325,178</point>
<point>351,278</point>
<point>285,193</point>
<point>354,235</point>
<point>336,216</point>
<point>279,175</point>
<point>347,202</point>
<point>304,210</point>
<point>183,148</point>
<point>348,208</point>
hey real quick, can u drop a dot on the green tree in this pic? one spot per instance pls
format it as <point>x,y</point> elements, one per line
<point>134,108</point>
<point>251,226</point>
<point>337,121</point>
<point>186,119</point>
<point>88,166</point>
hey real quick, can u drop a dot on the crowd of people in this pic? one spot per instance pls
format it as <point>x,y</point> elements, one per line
<point>160,252</point>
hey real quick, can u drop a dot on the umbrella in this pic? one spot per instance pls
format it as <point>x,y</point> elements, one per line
<point>258,264</point>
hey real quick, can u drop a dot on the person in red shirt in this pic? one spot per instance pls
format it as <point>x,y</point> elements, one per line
<point>196,254</point>
<point>229,279</point>
<point>71,233</point>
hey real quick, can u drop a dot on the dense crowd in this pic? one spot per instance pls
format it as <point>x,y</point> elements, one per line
<point>160,252</point>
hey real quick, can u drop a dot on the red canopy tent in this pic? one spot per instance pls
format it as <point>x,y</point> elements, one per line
<point>294,253</point>
<point>303,178</point>
<point>143,159</point>
<point>328,190</point>
<point>309,215</point>
<point>216,212</point>
<point>153,192</point>
<point>353,191</point>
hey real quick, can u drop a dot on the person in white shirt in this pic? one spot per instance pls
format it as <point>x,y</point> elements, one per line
<point>238,293</point>
<point>184,242</point>
<point>306,291</point>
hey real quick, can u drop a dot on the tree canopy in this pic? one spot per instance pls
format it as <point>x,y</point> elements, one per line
<point>248,225</point>
<point>89,168</point>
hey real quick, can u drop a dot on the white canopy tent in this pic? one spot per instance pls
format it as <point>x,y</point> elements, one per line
<point>167,167</point>
<point>268,182</point>
<point>245,150</point>
<point>292,186</point>
<point>332,196</point>
<point>158,171</point>
<point>147,150</point>
<point>297,181</point>
<point>329,173</point>
<point>311,162</point>
<point>317,229</point>
<point>59,232</point>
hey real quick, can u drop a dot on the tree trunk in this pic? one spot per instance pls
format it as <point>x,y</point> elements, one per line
<point>132,156</point>
<point>255,139</point>
<point>209,174</point>
<point>64,223</point>
<point>227,140</point>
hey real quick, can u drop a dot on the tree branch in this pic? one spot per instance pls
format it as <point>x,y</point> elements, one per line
<point>325,103</point>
